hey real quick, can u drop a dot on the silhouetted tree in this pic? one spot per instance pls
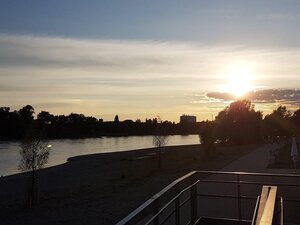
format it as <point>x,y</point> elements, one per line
<point>296,121</point>
<point>45,118</point>
<point>296,117</point>
<point>116,120</point>
<point>5,122</point>
<point>208,138</point>
<point>26,113</point>
<point>239,123</point>
<point>159,140</point>
<point>278,123</point>
<point>34,155</point>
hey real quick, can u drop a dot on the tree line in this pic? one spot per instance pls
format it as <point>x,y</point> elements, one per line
<point>238,123</point>
<point>15,123</point>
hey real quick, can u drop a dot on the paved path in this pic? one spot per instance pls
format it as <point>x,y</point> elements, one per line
<point>256,161</point>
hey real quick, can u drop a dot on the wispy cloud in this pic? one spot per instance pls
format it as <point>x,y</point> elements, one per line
<point>100,77</point>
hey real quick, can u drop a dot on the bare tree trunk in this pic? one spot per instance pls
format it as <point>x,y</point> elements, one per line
<point>33,190</point>
<point>159,159</point>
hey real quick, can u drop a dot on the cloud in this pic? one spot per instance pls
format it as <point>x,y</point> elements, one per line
<point>98,76</point>
<point>51,105</point>
<point>41,52</point>
<point>283,96</point>
<point>217,96</point>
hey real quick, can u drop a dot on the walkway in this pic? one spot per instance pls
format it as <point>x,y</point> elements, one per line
<point>256,161</point>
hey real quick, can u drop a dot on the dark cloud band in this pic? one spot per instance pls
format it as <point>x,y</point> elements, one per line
<point>289,96</point>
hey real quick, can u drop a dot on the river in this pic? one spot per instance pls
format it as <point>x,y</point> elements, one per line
<point>62,149</point>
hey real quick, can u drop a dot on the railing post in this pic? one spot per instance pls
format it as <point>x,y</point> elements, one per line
<point>177,211</point>
<point>177,206</point>
<point>281,212</point>
<point>194,204</point>
<point>156,210</point>
<point>239,206</point>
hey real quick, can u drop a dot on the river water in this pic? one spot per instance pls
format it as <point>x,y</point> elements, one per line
<point>63,149</point>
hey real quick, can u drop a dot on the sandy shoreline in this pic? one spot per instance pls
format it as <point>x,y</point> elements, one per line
<point>103,188</point>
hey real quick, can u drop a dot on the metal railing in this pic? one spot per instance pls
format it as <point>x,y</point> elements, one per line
<point>166,204</point>
<point>255,211</point>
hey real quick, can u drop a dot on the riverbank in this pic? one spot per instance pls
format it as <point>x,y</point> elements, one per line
<point>62,149</point>
<point>103,188</point>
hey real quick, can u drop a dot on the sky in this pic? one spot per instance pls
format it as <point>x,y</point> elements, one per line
<point>141,59</point>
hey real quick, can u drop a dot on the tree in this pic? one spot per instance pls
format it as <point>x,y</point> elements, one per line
<point>278,123</point>
<point>4,121</point>
<point>116,120</point>
<point>296,122</point>
<point>159,140</point>
<point>26,113</point>
<point>25,118</point>
<point>239,123</point>
<point>208,138</point>
<point>45,117</point>
<point>34,155</point>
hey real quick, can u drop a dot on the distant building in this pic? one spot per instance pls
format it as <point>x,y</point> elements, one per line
<point>187,119</point>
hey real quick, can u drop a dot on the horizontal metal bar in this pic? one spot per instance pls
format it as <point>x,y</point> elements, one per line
<point>244,197</point>
<point>228,219</point>
<point>226,196</point>
<point>271,183</point>
<point>250,182</point>
<point>249,174</point>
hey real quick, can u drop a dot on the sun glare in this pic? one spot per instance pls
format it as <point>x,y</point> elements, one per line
<point>238,79</point>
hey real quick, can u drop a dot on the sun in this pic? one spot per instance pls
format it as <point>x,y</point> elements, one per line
<point>238,79</point>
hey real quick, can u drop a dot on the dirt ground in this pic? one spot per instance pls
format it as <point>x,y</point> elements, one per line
<point>104,188</point>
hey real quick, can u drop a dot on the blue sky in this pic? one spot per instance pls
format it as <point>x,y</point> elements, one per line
<point>143,58</point>
<point>233,22</point>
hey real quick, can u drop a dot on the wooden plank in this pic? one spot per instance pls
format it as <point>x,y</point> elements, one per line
<point>268,213</point>
<point>262,203</point>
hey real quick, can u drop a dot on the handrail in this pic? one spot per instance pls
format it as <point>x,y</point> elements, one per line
<point>248,174</point>
<point>249,182</point>
<point>281,212</point>
<point>255,211</point>
<point>142,207</point>
<point>192,177</point>
<point>170,202</point>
